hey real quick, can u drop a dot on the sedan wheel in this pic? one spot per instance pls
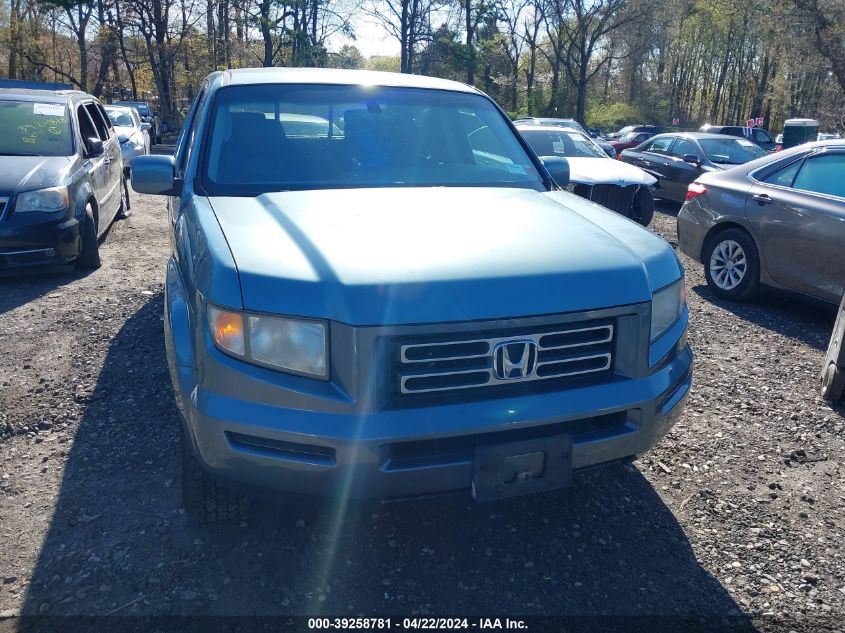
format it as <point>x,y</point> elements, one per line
<point>728,265</point>
<point>731,265</point>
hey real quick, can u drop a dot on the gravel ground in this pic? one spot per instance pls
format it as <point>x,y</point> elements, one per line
<point>738,511</point>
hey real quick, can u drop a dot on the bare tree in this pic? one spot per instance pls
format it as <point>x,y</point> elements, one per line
<point>583,26</point>
<point>409,21</point>
<point>827,18</point>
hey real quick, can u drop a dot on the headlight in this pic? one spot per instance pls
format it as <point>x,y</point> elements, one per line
<point>292,345</point>
<point>46,200</point>
<point>667,305</point>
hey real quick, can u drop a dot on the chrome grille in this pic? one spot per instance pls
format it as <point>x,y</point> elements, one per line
<point>436,364</point>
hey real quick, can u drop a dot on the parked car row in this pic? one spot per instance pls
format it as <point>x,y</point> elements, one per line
<point>148,115</point>
<point>356,246</point>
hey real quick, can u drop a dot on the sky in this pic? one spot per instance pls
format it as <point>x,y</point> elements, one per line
<point>371,38</point>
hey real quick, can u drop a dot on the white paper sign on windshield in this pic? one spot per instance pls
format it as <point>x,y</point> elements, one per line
<point>48,109</point>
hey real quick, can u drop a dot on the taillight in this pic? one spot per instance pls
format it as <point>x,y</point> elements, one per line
<point>695,189</point>
<point>619,155</point>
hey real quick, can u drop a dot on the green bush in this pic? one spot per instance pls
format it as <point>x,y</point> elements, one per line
<point>612,116</point>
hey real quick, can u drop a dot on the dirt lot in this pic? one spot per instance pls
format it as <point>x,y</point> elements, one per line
<point>740,510</point>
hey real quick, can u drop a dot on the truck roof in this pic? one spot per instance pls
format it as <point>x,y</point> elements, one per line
<point>330,76</point>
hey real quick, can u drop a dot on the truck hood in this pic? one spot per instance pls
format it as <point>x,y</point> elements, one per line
<point>27,173</point>
<point>425,255</point>
<point>591,171</point>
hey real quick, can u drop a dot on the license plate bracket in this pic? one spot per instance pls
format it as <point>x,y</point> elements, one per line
<point>524,467</point>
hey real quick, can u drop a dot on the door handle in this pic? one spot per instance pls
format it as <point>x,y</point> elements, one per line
<point>762,198</point>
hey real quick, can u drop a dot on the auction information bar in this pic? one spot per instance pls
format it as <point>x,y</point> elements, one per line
<point>417,624</point>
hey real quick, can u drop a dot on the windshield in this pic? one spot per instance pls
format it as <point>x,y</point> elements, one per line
<point>34,129</point>
<point>120,118</point>
<point>566,143</point>
<point>630,136</point>
<point>287,137</point>
<point>731,151</point>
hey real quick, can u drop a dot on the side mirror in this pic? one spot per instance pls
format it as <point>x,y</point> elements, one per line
<point>95,146</point>
<point>558,169</point>
<point>146,126</point>
<point>155,174</point>
<point>692,159</point>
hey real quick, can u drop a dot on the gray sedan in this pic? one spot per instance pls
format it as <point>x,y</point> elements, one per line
<point>777,221</point>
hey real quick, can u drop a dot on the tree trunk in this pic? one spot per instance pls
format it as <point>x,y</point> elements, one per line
<point>14,37</point>
<point>266,33</point>
<point>403,39</point>
<point>121,41</point>
<point>470,30</point>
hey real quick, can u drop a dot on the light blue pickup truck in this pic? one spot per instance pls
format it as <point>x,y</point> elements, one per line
<point>377,291</point>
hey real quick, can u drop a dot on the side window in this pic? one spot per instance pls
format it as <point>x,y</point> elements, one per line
<point>823,174</point>
<point>105,116</point>
<point>783,177</point>
<point>660,145</point>
<point>684,146</point>
<point>86,126</point>
<point>97,119</point>
<point>189,132</point>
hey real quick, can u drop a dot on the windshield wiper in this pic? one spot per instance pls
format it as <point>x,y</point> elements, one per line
<point>10,154</point>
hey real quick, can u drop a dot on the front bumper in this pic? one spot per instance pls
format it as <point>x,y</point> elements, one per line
<point>395,454</point>
<point>38,239</point>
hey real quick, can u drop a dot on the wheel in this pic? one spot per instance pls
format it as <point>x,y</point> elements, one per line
<point>642,210</point>
<point>732,266</point>
<point>205,499</point>
<point>833,383</point>
<point>89,255</point>
<point>123,212</point>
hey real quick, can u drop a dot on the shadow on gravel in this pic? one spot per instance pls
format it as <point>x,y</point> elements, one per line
<point>808,322</point>
<point>20,288</point>
<point>119,543</point>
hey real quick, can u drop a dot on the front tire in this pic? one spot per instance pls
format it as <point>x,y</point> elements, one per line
<point>732,265</point>
<point>89,254</point>
<point>205,500</point>
<point>642,209</point>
